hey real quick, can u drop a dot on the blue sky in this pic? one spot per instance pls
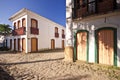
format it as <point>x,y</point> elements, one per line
<point>51,9</point>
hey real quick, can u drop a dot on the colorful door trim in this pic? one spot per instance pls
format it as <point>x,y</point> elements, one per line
<point>75,45</point>
<point>115,44</point>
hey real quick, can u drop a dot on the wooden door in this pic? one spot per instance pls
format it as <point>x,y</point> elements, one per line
<point>23,44</point>
<point>106,46</point>
<point>52,44</point>
<point>63,44</point>
<point>34,44</point>
<point>82,46</point>
<point>14,44</point>
<point>10,43</point>
<point>18,44</point>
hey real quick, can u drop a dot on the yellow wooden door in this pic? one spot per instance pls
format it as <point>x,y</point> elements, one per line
<point>23,45</point>
<point>106,46</point>
<point>62,44</point>
<point>33,44</point>
<point>82,46</point>
<point>52,44</point>
<point>14,44</point>
<point>18,44</point>
<point>10,43</point>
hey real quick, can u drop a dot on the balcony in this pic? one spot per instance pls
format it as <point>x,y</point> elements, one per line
<point>56,35</point>
<point>34,31</point>
<point>95,8</point>
<point>63,36</point>
<point>20,31</point>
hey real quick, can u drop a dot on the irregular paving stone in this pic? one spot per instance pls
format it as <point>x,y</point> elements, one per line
<point>50,66</point>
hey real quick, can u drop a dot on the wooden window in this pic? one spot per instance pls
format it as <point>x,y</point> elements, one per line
<point>56,32</point>
<point>118,4</point>
<point>91,6</point>
<point>15,25</point>
<point>63,34</point>
<point>62,31</point>
<point>81,3</point>
<point>23,22</point>
<point>19,24</point>
<point>34,23</point>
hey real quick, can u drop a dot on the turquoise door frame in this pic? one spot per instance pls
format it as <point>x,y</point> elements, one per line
<point>75,45</point>
<point>115,44</point>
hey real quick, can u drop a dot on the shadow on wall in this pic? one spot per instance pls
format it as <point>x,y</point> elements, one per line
<point>4,75</point>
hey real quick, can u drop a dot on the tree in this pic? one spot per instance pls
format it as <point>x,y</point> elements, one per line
<point>5,30</point>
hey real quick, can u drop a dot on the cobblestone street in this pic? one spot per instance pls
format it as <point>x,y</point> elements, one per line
<point>51,66</point>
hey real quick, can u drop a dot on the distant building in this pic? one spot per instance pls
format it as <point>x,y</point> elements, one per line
<point>33,32</point>
<point>2,38</point>
<point>93,31</point>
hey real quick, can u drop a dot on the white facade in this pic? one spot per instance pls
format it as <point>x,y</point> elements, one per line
<point>91,24</point>
<point>95,23</point>
<point>46,30</point>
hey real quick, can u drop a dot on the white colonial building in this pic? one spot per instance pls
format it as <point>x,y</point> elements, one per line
<point>93,31</point>
<point>33,32</point>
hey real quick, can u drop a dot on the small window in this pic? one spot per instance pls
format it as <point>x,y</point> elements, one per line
<point>118,4</point>
<point>23,22</point>
<point>15,25</point>
<point>19,24</point>
<point>56,30</point>
<point>81,3</point>
<point>62,31</point>
<point>34,23</point>
<point>63,34</point>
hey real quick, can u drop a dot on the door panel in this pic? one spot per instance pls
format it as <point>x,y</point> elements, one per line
<point>14,44</point>
<point>10,43</point>
<point>63,44</point>
<point>106,46</point>
<point>33,44</point>
<point>52,44</point>
<point>82,46</point>
<point>23,45</point>
<point>18,44</point>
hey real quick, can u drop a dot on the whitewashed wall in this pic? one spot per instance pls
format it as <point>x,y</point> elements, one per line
<point>91,25</point>
<point>46,32</point>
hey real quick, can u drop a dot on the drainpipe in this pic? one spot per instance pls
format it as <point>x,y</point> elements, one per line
<point>69,32</point>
